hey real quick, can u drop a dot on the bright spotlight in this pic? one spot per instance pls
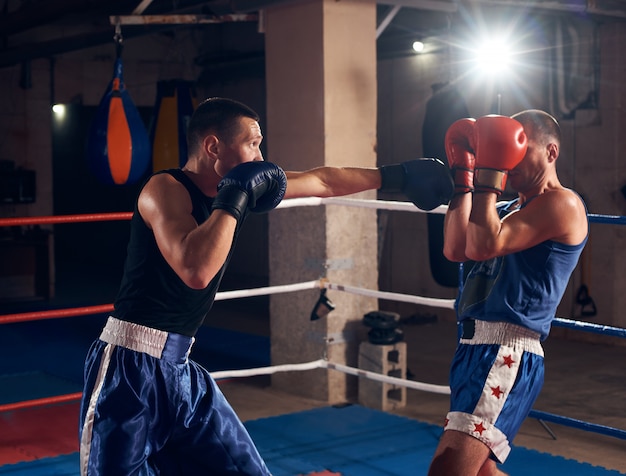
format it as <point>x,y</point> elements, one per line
<point>59,110</point>
<point>494,55</point>
<point>418,46</point>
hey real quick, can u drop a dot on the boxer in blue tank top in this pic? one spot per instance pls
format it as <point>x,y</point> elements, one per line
<point>147,409</point>
<point>523,252</point>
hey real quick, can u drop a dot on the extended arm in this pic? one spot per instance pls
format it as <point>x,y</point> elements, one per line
<point>426,182</point>
<point>331,181</point>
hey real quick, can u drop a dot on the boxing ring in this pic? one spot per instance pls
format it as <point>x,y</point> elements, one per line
<point>321,284</point>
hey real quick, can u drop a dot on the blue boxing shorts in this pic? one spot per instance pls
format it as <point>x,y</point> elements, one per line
<point>496,375</point>
<point>149,410</point>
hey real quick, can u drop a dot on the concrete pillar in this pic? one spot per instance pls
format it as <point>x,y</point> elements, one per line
<point>321,110</point>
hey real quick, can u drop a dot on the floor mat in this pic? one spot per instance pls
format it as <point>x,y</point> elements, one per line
<point>345,441</point>
<point>36,433</point>
<point>65,465</point>
<point>357,441</point>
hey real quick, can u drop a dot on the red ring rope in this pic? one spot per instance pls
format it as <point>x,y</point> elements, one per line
<point>47,220</point>
<point>54,313</point>
<point>39,402</point>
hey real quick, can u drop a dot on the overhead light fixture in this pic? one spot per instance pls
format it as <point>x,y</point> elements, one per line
<point>59,110</point>
<point>418,46</point>
<point>494,55</point>
<point>494,58</point>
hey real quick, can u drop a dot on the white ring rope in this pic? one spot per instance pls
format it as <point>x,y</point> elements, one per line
<point>435,302</point>
<point>288,288</point>
<point>426,387</point>
<point>358,202</point>
<point>320,364</point>
<point>323,283</point>
<point>222,374</point>
<point>300,202</point>
<point>324,364</point>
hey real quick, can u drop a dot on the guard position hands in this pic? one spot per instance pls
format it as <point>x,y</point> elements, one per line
<point>500,145</point>
<point>482,151</point>
<point>258,186</point>
<point>459,144</point>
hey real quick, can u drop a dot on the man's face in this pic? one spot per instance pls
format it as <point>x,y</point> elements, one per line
<point>245,147</point>
<point>531,169</point>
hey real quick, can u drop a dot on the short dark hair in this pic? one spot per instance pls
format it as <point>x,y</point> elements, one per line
<point>217,116</point>
<point>542,125</point>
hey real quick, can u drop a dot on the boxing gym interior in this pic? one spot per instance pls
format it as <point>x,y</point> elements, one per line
<point>334,327</point>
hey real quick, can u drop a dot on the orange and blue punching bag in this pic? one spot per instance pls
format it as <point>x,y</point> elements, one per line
<point>175,104</point>
<point>118,145</point>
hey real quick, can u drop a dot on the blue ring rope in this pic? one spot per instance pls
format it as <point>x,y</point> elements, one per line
<point>590,327</point>
<point>610,219</point>
<point>583,425</point>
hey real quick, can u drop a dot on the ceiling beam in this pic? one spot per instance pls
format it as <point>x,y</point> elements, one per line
<point>179,19</point>
<point>37,14</point>
<point>45,49</point>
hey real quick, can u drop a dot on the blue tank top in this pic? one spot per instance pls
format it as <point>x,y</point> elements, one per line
<point>151,293</point>
<point>523,288</point>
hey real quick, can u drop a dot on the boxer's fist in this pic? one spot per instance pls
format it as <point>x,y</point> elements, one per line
<point>270,190</point>
<point>500,144</point>
<point>258,186</point>
<point>459,144</point>
<point>426,182</point>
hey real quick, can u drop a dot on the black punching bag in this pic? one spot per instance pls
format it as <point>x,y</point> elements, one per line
<point>444,108</point>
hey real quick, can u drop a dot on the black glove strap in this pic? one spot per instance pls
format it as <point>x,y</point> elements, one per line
<point>231,199</point>
<point>392,178</point>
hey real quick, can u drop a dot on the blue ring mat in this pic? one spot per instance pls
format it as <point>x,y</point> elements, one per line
<point>350,440</point>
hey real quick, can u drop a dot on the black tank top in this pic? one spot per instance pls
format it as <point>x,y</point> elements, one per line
<point>151,293</point>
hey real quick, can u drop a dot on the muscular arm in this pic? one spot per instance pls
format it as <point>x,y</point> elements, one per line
<point>557,215</point>
<point>331,181</point>
<point>195,253</point>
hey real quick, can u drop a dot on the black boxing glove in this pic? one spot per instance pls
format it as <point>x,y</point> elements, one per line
<point>270,193</point>
<point>258,186</point>
<point>426,182</point>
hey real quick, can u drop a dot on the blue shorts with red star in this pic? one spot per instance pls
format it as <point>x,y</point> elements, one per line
<point>495,377</point>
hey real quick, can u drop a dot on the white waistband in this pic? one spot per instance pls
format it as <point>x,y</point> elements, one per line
<point>134,336</point>
<point>505,333</point>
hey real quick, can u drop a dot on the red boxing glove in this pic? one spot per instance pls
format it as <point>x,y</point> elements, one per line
<point>500,144</point>
<point>459,144</point>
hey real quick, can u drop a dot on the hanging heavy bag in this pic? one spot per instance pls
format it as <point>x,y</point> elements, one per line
<point>118,146</point>
<point>174,106</point>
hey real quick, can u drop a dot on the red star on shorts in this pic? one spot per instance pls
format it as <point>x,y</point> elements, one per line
<point>445,422</point>
<point>508,361</point>
<point>496,392</point>
<point>479,428</point>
